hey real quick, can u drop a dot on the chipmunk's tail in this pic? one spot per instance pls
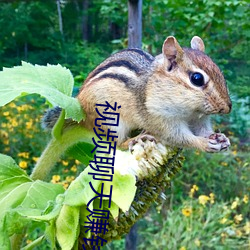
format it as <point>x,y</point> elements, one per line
<point>50,118</point>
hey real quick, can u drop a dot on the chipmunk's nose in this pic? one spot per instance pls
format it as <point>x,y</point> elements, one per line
<point>227,108</point>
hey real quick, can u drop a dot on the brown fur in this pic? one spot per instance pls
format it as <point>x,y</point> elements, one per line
<point>156,94</point>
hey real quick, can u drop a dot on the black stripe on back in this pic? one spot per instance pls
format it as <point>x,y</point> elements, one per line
<point>142,53</point>
<point>118,77</point>
<point>118,63</point>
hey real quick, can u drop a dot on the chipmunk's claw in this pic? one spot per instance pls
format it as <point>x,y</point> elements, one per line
<point>218,142</point>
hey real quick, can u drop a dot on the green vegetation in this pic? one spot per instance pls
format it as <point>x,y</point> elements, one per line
<point>208,204</point>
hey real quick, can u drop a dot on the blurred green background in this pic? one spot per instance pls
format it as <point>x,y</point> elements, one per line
<point>207,206</point>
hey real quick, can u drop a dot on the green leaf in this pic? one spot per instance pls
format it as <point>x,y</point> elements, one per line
<point>50,234</point>
<point>124,189</point>
<point>114,209</point>
<point>79,192</point>
<point>34,243</point>
<point>39,194</point>
<point>82,152</point>
<point>67,226</point>
<point>53,82</point>
<point>13,223</point>
<point>10,222</point>
<point>14,198</point>
<point>45,216</point>
<point>20,197</point>
<point>9,168</point>
<point>9,184</point>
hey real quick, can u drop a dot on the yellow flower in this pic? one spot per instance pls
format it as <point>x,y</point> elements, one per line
<point>65,163</point>
<point>223,220</point>
<point>73,168</point>
<point>234,152</point>
<point>247,227</point>
<point>182,248</point>
<point>12,105</point>
<point>238,218</point>
<point>224,164</point>
<point>4,134</point>
<point>55,178</point>
<point>187,211</point>
<point>23,164</point>
<point>245,199</point>
<point>211,195</point>
<point>235,203</point>
<point>24,154</point>
<point>193,190</point>
<point>35,159</point>
<point>29,124</point>
<point>197,242</point>
<point>77,162</point>
<point>14,123</point>
<point>6,113</point>
<point>203,199</point>
<point>65,185</point>
<point>23,107</point>
<point>70,178</point>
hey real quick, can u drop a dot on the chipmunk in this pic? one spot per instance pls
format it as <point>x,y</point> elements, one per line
<point>170,97</point>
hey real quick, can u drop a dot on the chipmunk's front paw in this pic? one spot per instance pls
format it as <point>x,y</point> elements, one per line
<point>217,142</point>
<point>141,139</point>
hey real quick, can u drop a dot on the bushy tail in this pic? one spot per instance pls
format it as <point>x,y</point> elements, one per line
<point>50,118</point>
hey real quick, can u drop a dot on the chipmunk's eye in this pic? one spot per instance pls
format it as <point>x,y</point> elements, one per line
<point>197,79</point>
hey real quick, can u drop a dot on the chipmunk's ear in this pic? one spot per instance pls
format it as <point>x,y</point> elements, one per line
<point>197,43</point>
<point>171,49</point>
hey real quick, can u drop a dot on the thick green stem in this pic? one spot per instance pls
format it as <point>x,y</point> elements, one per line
<point>52,153</point>
<point>56,147</point>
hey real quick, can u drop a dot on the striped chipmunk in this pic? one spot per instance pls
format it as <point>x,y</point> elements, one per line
<point>168,97</point>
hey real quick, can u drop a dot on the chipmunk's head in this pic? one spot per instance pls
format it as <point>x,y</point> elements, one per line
<point>197,75</point>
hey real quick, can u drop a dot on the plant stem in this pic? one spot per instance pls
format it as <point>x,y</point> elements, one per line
<point>56,147</point>
<point>52,153</point>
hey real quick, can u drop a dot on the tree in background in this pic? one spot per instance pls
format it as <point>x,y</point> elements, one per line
<point>135,23</point>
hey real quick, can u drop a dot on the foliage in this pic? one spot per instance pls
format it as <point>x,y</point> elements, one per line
<point>238,120</point>
<point>199,223</point>
<point>52,82</point>
<point>232,166</point>
<point>207,206</point>
<point>19,127</point>
<point>19,197</point>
